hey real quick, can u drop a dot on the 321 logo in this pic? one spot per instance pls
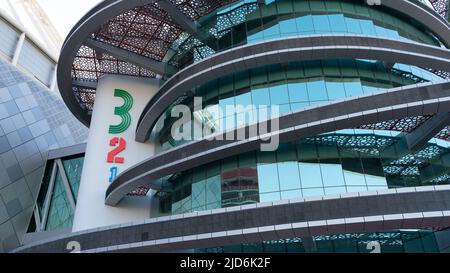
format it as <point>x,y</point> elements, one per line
<point>119,144</point>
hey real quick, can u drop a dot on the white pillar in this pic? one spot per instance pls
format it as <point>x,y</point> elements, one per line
<point>18,50</point>
<point>91,211</point>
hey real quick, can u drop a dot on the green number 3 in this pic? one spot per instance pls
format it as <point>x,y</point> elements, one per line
<point>122,112</point>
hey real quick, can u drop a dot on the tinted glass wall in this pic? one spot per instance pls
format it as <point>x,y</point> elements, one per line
<point>59,191</point>
<point>333,163</point>
<point>248,22</point>
<point>291,87</point>
<point>379,242</point>
<point>351,160</point>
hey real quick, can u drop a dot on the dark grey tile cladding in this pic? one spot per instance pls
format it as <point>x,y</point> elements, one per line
<point>33,120</point>
<point>14,172</point>
<point>14,207</point>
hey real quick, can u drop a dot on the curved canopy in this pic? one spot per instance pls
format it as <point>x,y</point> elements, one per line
<point>134,37</point>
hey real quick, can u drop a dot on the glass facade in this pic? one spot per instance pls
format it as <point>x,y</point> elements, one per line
<point>291,87</point>
<point>54,207</point>
<point>73,168</point>
<point>333,163</point>
<point>353,160</point>
<point>247,22</point>
<point>60,214</point>
<point>379,242</point>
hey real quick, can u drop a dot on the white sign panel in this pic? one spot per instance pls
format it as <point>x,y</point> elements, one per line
<point>111,149</point>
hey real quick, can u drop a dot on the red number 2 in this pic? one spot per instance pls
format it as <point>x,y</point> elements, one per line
<point>121,146</point>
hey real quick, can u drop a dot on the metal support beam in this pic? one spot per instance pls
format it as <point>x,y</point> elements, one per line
<point>37,219</point>
<point>18,50</point>
<point>66,183</point>
<point>426,131</point>
<point>131,57</point>
<point>48,196</point>
<point>179,17</point>
<point>85,84</point>
<point>191,27</point>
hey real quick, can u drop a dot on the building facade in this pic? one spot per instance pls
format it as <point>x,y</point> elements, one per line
<point>33,120</point>
<point>362,94</point>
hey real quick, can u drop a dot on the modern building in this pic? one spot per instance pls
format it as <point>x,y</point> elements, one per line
<point>33,120</point>
<point>363,161</point>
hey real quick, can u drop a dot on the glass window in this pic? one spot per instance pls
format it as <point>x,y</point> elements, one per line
<point>353,26</point>
<point>335,90</point>
<point>269,197</point>
<point>373,180</point>
<point>255,38</point>
<point>74,168</point>
<point>213,193</point>
<point>299,105</point>
<point>370,89</point>
<point>289,175</point>
<point>429,242</point>
<point>225,103</point>
<point>285,195</point>
<point>353,172</point>
<point>335,190</point>
<point>305,24</point>
<point>353,89</point>
<point>288,27</point>
<point>313,192</point>
<point>307,152</point>
<point>230,122</point>
<point>412,244</point>
<point>199,174</point>
<point>354,179</point>
<point>286,152</point>
<point>310,175</point>
<point>268,178</point>
<point>368,28</point>
<point>272,32</point>
<point>332,175</point>
<point>381,32</point>
<point>199,195</point>
<point>284,109</point>
<point>337,23</point>
<point>226,86</point>
<point>246,115</point>
<point>321,24</point>
<point>261,97</point>
<point>298,92</point>
<point>263,112</point>
<point>393,34</point>
<point>279,94</point>
<point>229,164</point>
<point>317,91</point>
<point>244,99</point>
<point>60,214</point>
